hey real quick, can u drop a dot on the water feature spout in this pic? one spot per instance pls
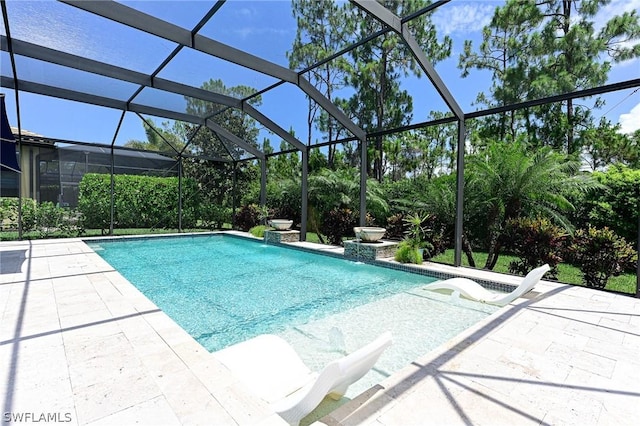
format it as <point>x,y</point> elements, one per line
<point>356,231</point>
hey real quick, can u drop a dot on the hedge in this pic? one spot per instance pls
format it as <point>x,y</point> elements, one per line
<point>140,201</point>
<point>615,206</point>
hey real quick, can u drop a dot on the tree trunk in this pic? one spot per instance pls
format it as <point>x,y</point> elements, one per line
<point>570,147</point>
<point>377,162</point>
<point>496,254</point>
<point>332,148</point>
<point>377,166</point>
<point>565,28</point>
<point>466,247</point>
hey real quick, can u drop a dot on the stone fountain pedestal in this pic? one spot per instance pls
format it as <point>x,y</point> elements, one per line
<point>277,237</point>
<point>369,251</point>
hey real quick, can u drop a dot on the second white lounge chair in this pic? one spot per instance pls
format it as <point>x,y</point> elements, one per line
<point>272,370</point>
<point>472,290</point>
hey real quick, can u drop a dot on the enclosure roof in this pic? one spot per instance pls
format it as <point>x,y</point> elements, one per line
<point>163,59</point>
<point>91,149</point>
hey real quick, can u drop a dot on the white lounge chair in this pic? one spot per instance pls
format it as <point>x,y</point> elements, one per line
<point>472,290</point>
<point>272,370</point>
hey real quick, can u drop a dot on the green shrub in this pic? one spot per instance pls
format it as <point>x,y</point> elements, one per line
<point>9,213</point>
<point>247,217</point>
<point>214,215</point>
<point>94,200</point>
<point>140,201</point>
<point>535,242</point>
<point>616,205</point>
<point>46,219</point>
<point>406,253</point>
<point>601,254</point>
<point>258,230</point>
<point>283,196</point>
<point>338,223</point>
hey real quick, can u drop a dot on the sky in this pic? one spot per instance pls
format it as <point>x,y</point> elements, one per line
<point>263,28</point>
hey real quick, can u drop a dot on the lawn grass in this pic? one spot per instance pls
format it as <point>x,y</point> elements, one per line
<point>312,237</point>
<point>625,283</point>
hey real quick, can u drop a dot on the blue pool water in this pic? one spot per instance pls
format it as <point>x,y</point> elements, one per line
<point>223,290</point>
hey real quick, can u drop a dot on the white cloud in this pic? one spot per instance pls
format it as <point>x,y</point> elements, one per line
<point>630,122</point>
<point>616,7</point>
<point>246,12</point>
<point>245,32</point>
<point>463,17</point>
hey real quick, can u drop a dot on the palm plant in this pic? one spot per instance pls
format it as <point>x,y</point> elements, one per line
<point>504,181</point>
<point>438,198</point>
<point>340,189</point>
<point>416,234</point>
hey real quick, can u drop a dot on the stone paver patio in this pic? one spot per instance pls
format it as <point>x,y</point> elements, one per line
<point>81,345</point>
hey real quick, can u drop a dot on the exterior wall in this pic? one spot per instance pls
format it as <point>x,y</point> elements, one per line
<point>29,176</point>
<point>369,251</point>
<point>28,179</point>
<point>276,237</point>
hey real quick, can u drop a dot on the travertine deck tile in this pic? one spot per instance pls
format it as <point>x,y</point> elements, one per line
<point>77,338</point>
<point>154,411</point>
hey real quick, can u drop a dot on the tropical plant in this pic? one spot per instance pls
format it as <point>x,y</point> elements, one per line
<point>340,189</point>
<point>264,213</point>
<point>337,223</point>
<point>416,233</point>
<point>396,226</point>
<point>407,253</point>
<point>504,182</point>
<point>258,231</point>
<point>536,242</point>
<point>247,217</point>
<point>284,196</point>
<point>601,254</point>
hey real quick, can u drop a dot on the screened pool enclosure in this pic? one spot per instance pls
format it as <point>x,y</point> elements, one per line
<point>212,70</point>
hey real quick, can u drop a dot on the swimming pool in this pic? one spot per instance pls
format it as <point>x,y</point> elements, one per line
<point>223,289</point>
